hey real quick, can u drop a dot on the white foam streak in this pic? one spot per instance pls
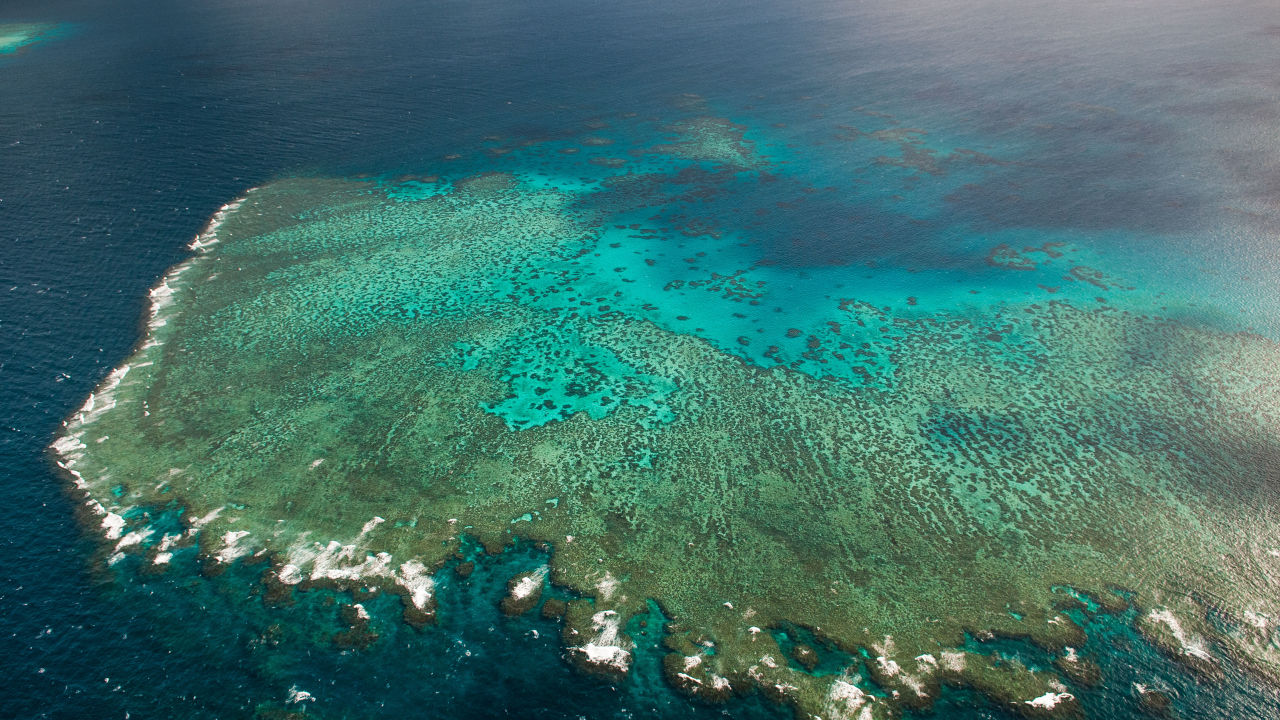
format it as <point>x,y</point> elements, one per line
<point>607,586</point>
<point>112,523</point>
<point>847,701</point>
<point>231,548</point>
<point>1049,700</point>
<point>414,578</point>
<point>208,237</point>
<point>607,648</point>
<point>134,538</point>
<point>347,563</point>
<point>529,583</point>
<point>1193,646</point>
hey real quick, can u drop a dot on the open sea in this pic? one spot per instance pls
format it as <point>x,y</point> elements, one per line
<point>1144,134</point>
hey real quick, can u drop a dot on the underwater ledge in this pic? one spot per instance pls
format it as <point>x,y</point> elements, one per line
<point>343,384</point>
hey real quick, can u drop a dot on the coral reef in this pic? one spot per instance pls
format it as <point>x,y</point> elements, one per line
<point>352,375</point>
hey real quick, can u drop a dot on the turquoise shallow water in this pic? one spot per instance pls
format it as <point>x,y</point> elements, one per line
<point>906,142</point>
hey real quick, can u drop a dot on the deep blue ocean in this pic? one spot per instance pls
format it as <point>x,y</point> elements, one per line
<point>1147,129</point>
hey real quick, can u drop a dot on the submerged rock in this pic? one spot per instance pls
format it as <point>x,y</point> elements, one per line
<point>805,655</point>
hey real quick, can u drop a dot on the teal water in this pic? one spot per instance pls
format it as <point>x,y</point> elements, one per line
<point>900,147</point>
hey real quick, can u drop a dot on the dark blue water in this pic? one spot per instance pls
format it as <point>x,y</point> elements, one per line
<point>1128,125</point>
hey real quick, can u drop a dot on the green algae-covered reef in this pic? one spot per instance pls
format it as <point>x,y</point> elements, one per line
<point>351,376</point>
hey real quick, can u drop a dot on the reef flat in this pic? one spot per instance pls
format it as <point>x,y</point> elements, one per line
<point>635,345</point>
